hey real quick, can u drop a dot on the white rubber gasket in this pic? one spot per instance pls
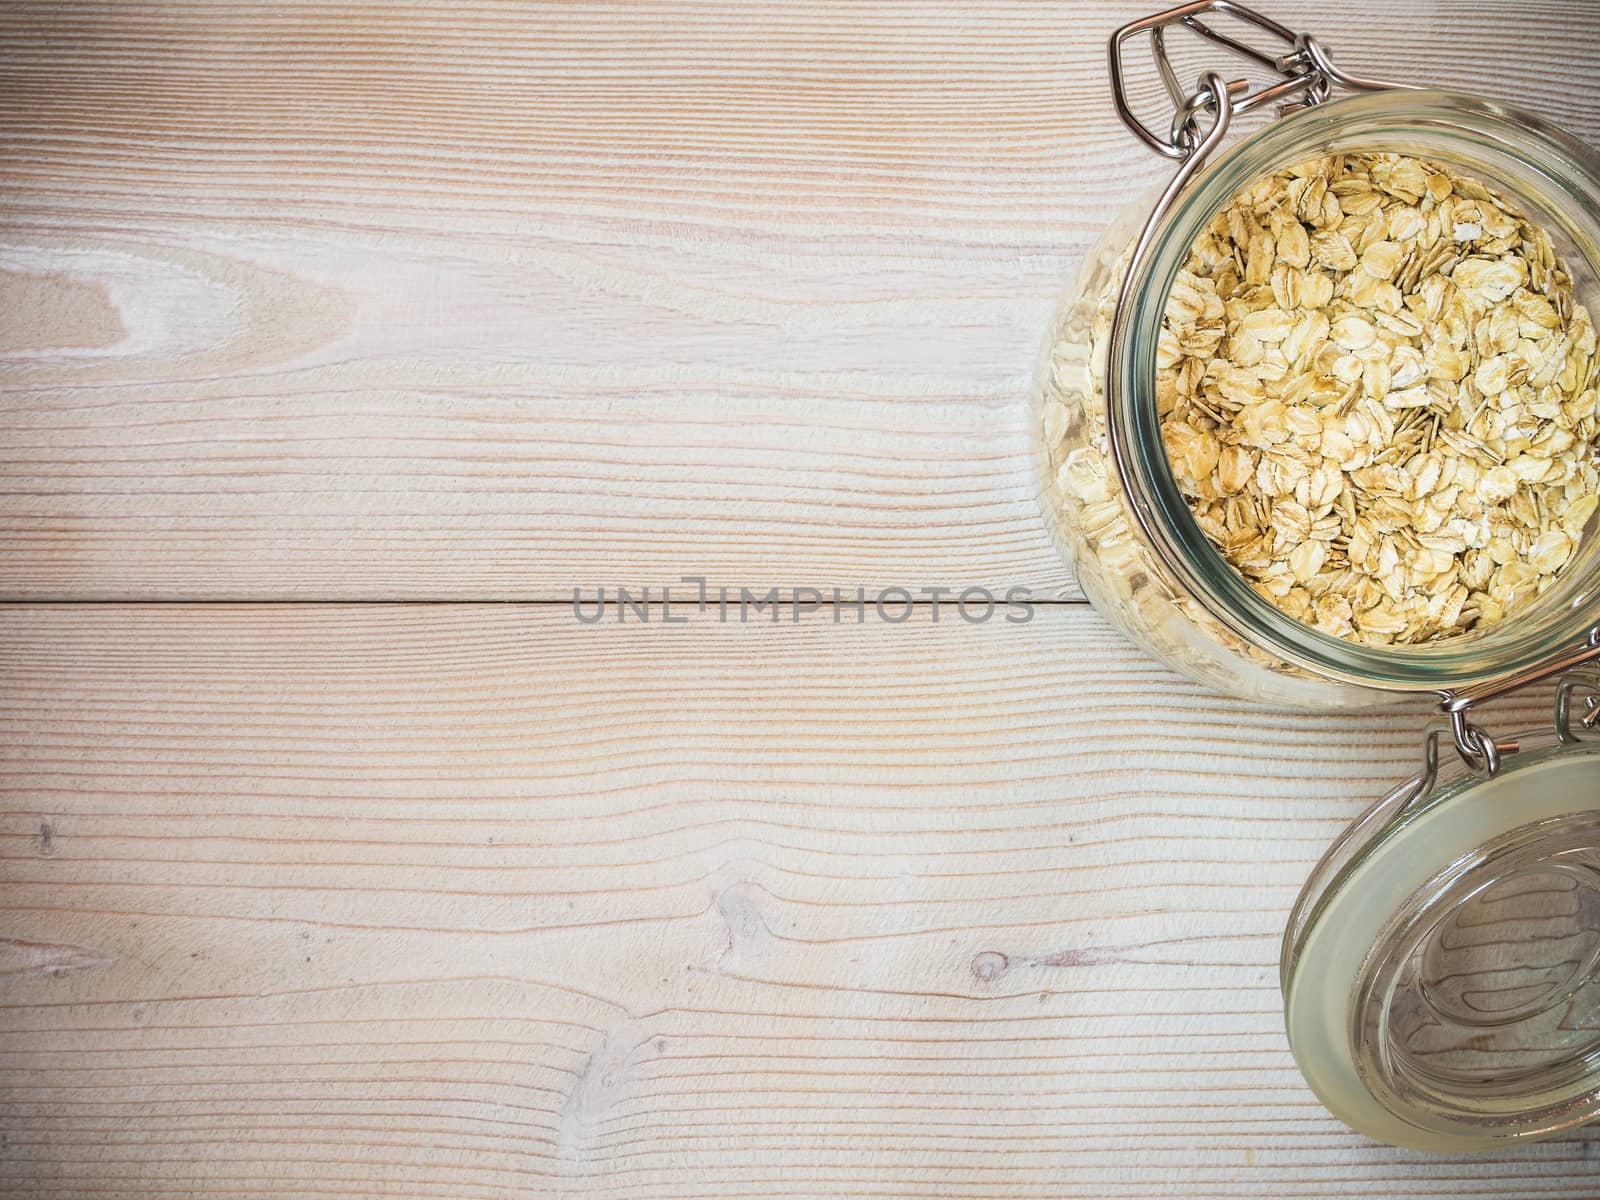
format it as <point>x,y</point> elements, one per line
<point>1318,1006</point>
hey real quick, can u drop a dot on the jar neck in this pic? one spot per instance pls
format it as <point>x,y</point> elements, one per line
<point>1553,177</point>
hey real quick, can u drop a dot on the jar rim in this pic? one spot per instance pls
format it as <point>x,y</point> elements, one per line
<point>1512,150</point>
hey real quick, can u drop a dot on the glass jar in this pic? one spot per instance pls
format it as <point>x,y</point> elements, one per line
<point>1106,486</point>
<point>1441,970</point>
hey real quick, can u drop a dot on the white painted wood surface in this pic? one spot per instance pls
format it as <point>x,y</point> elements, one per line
<point>477,301</point>
<point>475,901</point>
<point>373,300</point>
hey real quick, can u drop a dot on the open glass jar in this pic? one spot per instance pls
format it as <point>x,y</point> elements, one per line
<point>1106,485</point>
<point>1400,1031</point>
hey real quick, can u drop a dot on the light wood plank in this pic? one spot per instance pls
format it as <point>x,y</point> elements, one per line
<point>478,902</point>
<point>369,300</point>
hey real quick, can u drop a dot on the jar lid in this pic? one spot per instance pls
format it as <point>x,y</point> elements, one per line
<point>1441,972</point>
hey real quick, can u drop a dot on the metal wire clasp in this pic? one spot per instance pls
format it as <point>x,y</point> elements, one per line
<point>1307,74</point>
<point>1479,750</point>
<point>1577,716</point>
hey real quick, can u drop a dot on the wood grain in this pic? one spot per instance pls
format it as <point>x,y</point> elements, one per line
<point>476,901</point>
<point>372,300</point>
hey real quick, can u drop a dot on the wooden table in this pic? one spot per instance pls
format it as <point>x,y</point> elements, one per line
<point>340,343</point>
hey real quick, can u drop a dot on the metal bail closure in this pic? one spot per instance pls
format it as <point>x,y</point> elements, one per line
<point>1306,75</point>
<point>1480,751</point>
<point>1299,73</point>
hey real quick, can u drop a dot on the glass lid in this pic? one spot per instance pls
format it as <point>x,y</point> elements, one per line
<point>1441,971</point>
